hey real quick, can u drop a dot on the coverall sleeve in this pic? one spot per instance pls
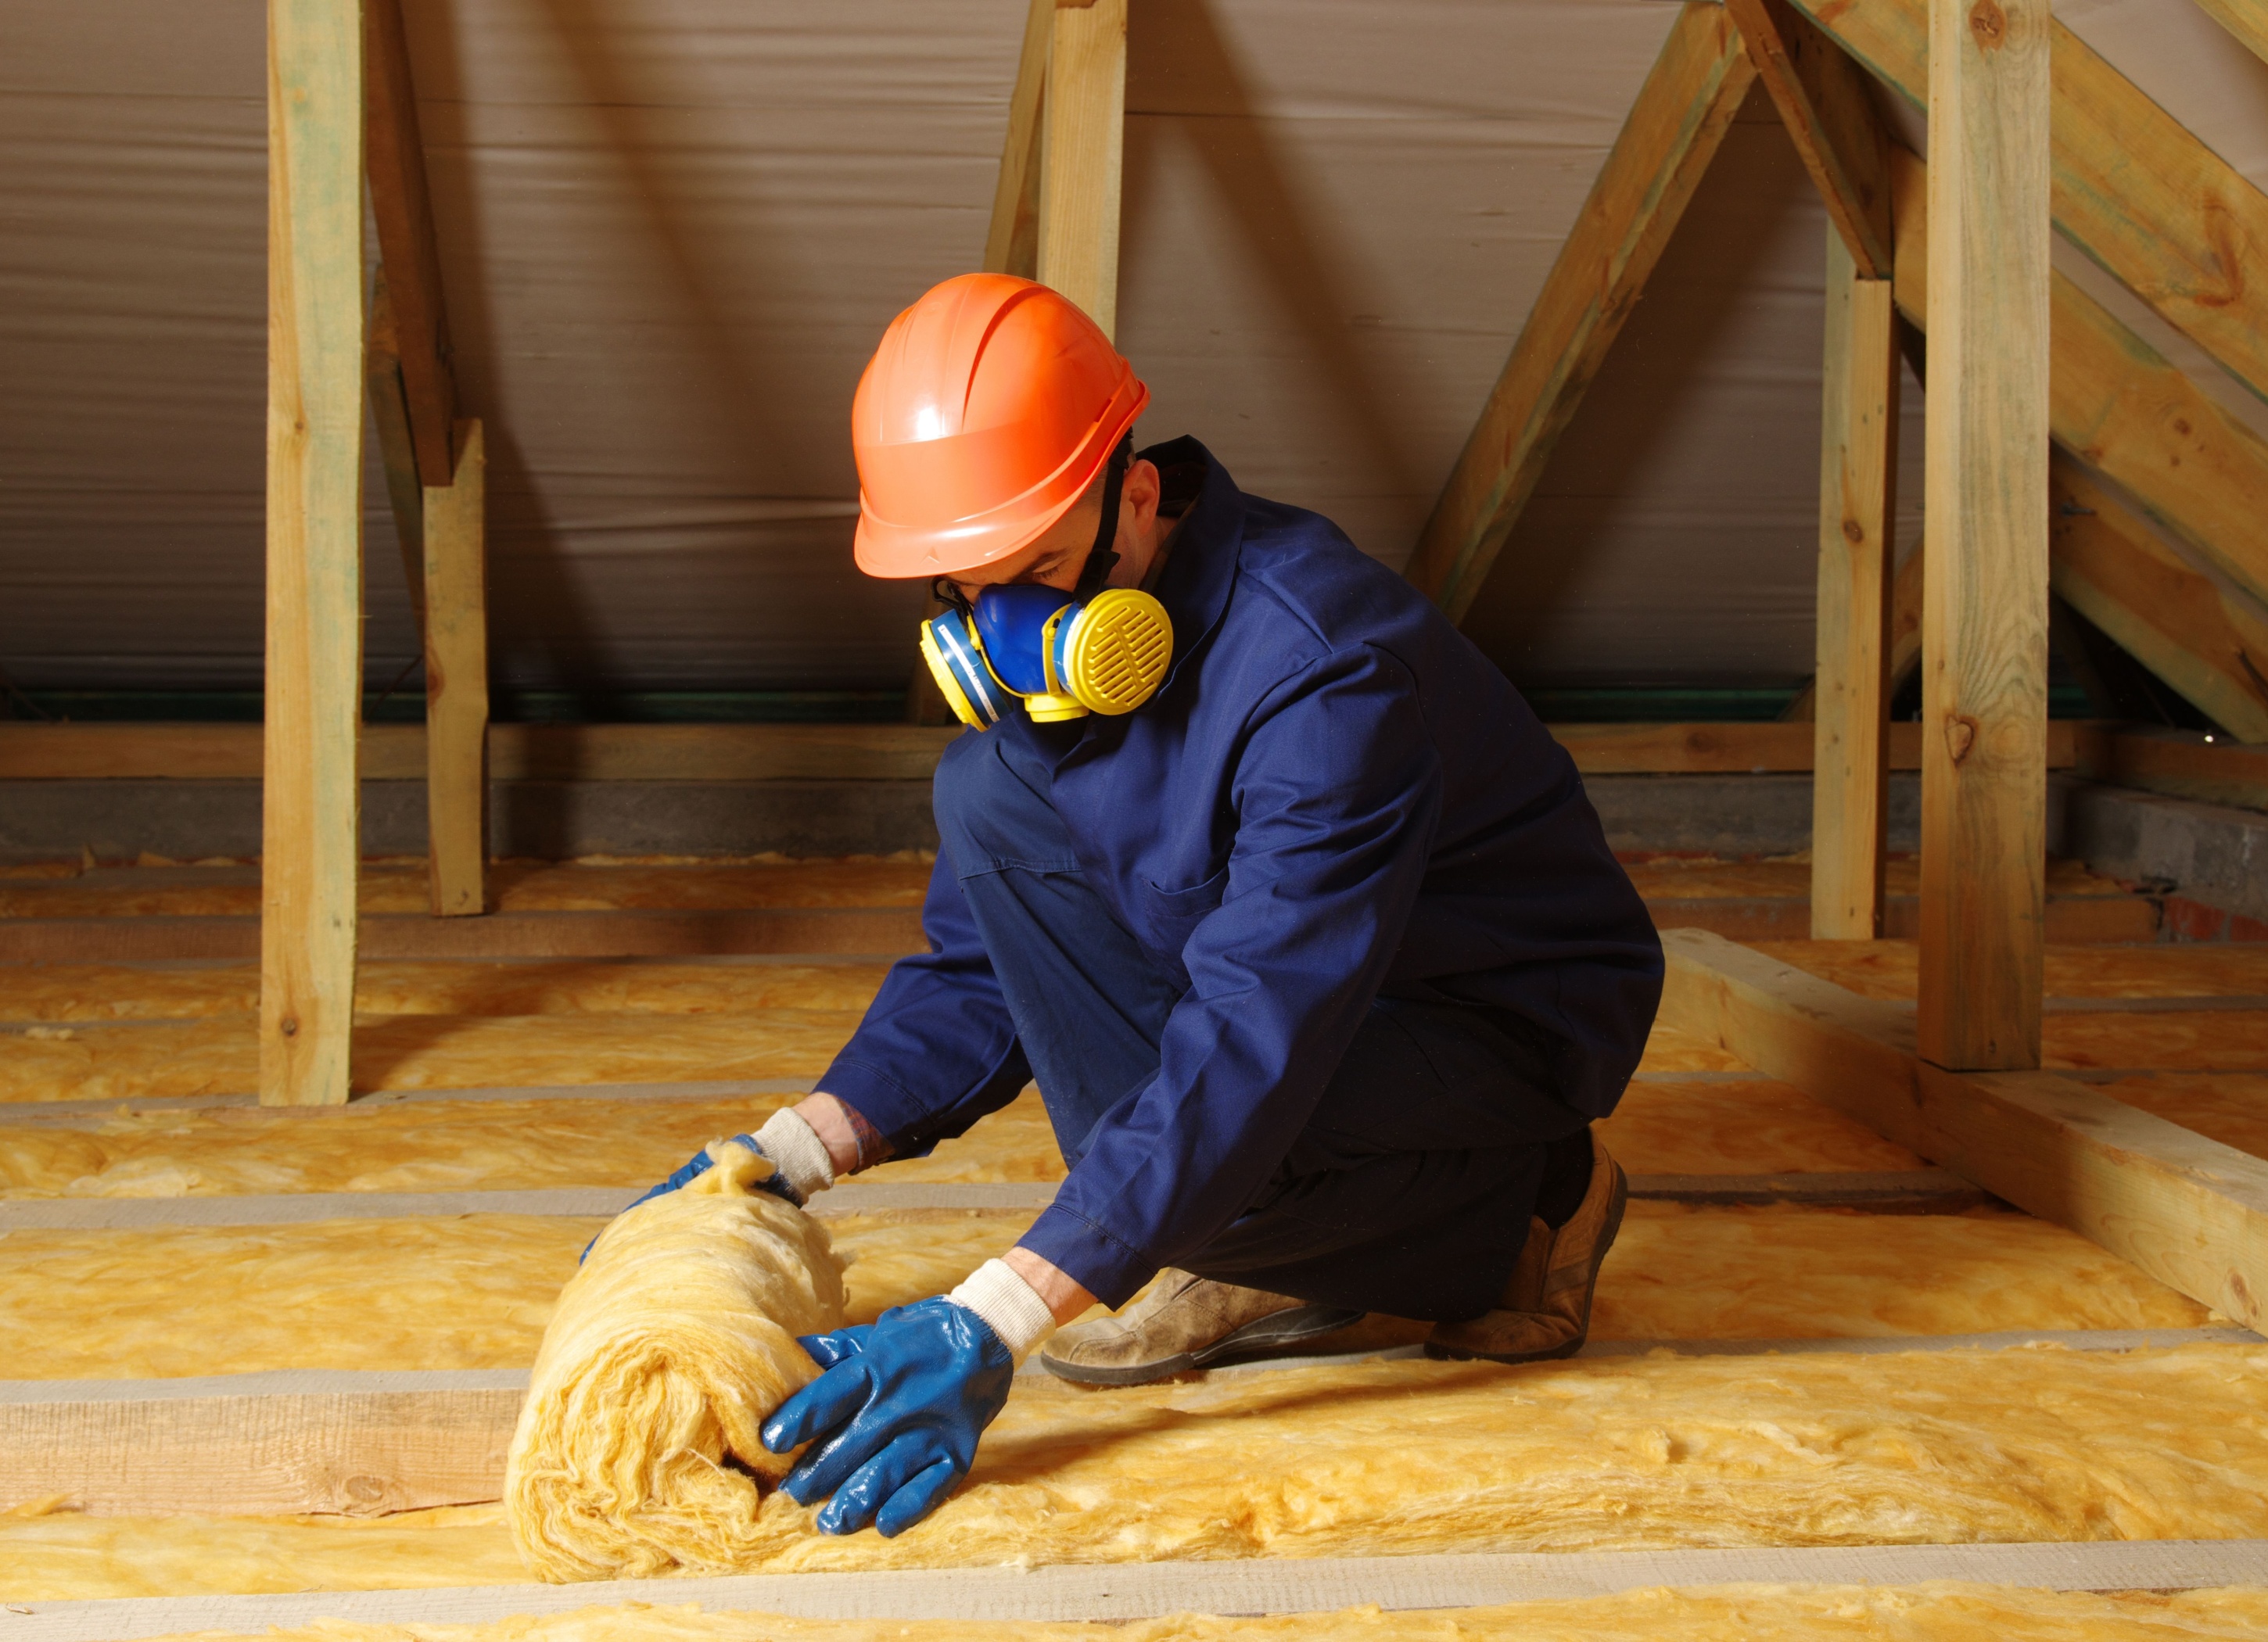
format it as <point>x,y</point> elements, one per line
<point>936,1050</point>
<point>1337,795</point>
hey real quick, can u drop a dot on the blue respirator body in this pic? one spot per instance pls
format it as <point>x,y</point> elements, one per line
<point>1066,655</point>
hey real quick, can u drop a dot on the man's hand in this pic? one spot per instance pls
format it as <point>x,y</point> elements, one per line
<point>895,1416</point>
<point>802,1163</point>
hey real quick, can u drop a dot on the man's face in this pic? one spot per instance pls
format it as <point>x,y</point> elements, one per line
<point>1054,561</point>
<point>1058,557</point>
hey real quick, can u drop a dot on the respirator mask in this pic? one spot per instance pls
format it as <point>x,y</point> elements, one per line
<point>1095,649</point>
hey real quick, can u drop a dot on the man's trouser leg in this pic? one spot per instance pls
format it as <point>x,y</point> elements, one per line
<point>1410,1189</point>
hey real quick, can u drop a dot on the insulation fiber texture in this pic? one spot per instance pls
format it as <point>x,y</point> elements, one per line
<point>636,1451</point>
<point>1942,1612</point>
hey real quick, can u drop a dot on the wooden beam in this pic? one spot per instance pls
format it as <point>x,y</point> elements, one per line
<point>1082,156</point>
<point>1905,638</point>
<point>2180,227</point>
<point>1824,100</point>
<point>1011,241</point>
<point>310,811</point>
<point>1682,114</point>
<point>457,683</point>
<point>2192,1213</point>
<point>2163,612</point>
<point>300,1442</point>
<point>807,752</point>
<point>2128,414</point>
<point>389,414</point>
<point>2247,19</point>
<point>1857,507</point>
<point>1984,605</point>
<point>2180,764</point>
<point>402,208</point>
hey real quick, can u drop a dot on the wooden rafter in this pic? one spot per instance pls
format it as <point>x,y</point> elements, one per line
<point>1824,100</point>
<point>1012,242</point>
<point>2180,227</point>
<point>1672,133</point>
<point>2125,412</point>
<point>310,792</point>
<point>2166,615</point>
<point>1082,155</point>
<point>403,209</point>
<point>1984,604</point>
<point>2247,19</point>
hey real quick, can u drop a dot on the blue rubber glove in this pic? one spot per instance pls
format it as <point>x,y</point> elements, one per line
<point>700,1164</point>
<point>897,1415</point>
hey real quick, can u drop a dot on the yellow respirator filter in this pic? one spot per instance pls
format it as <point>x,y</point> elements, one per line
<point>1066,657</point>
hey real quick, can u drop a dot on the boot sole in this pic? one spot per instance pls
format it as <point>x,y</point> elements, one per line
<point>1557,1353</point>
<point>1262,1338</point>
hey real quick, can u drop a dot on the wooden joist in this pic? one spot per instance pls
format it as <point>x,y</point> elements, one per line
<point>2180,227</point>
<point>315,341</point>
<point>1682,114</point>
<point>456,683</point>
<point>2192,1213</point>
<point>1082,154</point>
<point>1858,509</point>
<point>2166,615</point>
<point>1823,99</point>
<point>815,752</point>
<point>2119,406</point>
<point>401,206</point>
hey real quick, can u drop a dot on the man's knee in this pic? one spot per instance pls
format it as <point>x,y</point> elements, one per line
<point>988,813</point>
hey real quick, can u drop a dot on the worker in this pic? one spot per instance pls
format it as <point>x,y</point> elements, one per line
<point>1298,916</point>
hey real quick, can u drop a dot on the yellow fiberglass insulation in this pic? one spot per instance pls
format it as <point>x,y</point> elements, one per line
<point>636,1451</point>
<point>476,1291</point>
<point>1942,1612</point>
<point>1410,1457</point>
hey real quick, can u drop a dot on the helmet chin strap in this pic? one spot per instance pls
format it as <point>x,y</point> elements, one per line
<point>1102,557</point>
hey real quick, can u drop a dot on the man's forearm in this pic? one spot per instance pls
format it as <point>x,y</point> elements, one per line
<point>831,1121</point>
<point>838,1127</point>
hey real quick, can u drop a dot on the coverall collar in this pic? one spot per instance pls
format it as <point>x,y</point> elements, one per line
<point>1202,566</point>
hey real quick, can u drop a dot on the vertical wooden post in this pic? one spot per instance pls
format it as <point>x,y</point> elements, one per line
<point>1986,597</point>
<point>389,415</point>
<point>1084,123</point>
<point>311,808</point>
<point>1857,481</point>
<point>456,683</point>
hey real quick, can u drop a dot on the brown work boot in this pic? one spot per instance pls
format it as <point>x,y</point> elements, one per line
<point>1185,1321</point>
<point>1546,1308</point>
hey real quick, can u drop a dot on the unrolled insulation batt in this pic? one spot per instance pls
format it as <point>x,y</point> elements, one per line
<point>476,1291</point>
<point>1396,1458</point>
<point>1749,1613</point>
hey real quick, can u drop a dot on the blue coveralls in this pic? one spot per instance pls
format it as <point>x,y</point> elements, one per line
<point>1310,956</point>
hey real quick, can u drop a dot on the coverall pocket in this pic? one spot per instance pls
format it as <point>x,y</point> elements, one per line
<point>1170,916</point>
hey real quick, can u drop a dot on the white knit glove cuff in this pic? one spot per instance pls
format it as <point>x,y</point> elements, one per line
<point>1010,1306</point>
<point>797,1151</point>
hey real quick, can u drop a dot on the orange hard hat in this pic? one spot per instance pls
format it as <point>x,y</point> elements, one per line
<point>990,407</point>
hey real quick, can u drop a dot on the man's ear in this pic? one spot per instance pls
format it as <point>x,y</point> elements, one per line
<point>1139,495</point>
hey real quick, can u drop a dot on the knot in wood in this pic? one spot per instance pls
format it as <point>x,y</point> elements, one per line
<point>365,1488</point>
<point>1988,24</point>
<point>1960,736</point>
<point>289,1026</point>
<point>1853,532</point>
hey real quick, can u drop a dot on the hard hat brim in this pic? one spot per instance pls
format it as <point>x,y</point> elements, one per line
<point>894,551</point>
